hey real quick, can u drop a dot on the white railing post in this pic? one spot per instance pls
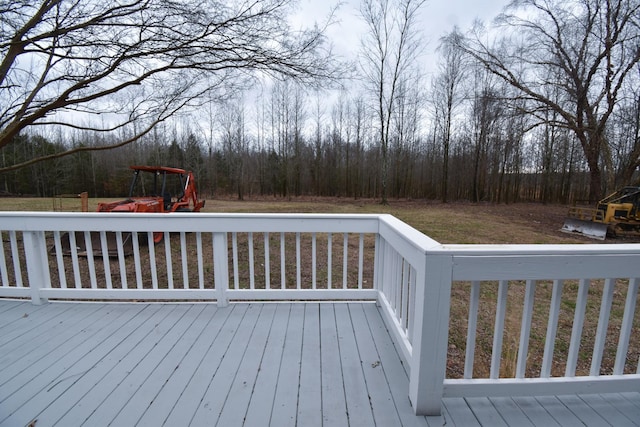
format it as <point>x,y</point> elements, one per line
<point>377,267</point>
<point>35,252</point>
<point>430,334</point>
<point>221,268</point>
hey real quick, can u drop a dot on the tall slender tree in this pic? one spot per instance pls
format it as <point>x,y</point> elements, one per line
<point>447,96</point>
<point>390,45</point>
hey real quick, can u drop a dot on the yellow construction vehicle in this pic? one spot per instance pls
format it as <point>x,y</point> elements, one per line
<point>616,215</point>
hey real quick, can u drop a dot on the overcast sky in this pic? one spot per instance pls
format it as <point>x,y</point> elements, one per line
<point>437,17</point>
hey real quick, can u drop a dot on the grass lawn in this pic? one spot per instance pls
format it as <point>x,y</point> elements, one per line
<point>456,222</point>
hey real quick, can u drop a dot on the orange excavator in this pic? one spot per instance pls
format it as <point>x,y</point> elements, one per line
<point>158,189</point>
<point>154,189</point>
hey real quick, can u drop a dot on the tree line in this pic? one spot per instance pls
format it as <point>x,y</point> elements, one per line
<point>290,146</point>
<point>542,106</point>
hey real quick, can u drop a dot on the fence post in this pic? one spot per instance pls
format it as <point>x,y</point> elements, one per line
<point>430,334</point>
<point>221,267</point>
<point>35,252</point>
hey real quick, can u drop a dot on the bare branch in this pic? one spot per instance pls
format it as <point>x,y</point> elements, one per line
<point>71,60</point>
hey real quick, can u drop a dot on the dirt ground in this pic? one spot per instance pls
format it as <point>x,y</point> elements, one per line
<point>543,219</point>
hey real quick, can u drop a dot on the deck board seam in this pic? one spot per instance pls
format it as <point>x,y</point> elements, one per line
<point>374,318</point>
<point>594,400</point>
<point>362,338</point>
<point>213,319</point>
<point>242,359</point>
<point>291,352</point>
<point>30,312</point>
<point>375,344</point>
<point>270,340</point>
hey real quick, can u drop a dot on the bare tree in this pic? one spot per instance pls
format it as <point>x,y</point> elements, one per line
<point>234,142</point>
<point>585,49</point>
<point>358,122</point>
<point>447,95</point>
<point>389,47</point>
<point>126,66</point>
<point>626,134</point>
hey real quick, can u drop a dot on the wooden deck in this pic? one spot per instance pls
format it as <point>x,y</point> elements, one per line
<point>278,364</point>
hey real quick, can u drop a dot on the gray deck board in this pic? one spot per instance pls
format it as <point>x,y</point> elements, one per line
<point>511,412</point>
<point>629,403</point>
<point>16,315</point>
<point>37,387</point>
<point>559,411</point>
<point>634,398</point>
<point>235,406</point>
<point>535,412</point>
<point>334,410</point>
<point>164,335</point>
<point>36,341</point>
<point>261,400</point>
<point>214,399</point>
<point>608,411</point>
<point>35,355</point>
<point>285,364</point>
<point>284,404</point>
<point>583,411</point>
<point>459,413</point>
<point>382,405</point>
<point>355,387</point>
<point>164,401</point>
<point>485,412</point>
<point>81,397</point>
<point>168,359</point>
<point>309,392</point>
<point>188,401</point>
<point>21,322</point>
<point>7,306</point>
<point>395,372</point>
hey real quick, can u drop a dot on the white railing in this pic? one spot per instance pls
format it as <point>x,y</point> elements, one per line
<point>210,257</point>
<point>416,282</point>
<point>597,274</point>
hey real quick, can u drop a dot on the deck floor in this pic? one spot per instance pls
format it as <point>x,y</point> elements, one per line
<point>278,364</point>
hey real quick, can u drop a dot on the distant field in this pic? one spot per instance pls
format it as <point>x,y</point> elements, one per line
<point>447,223</point>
